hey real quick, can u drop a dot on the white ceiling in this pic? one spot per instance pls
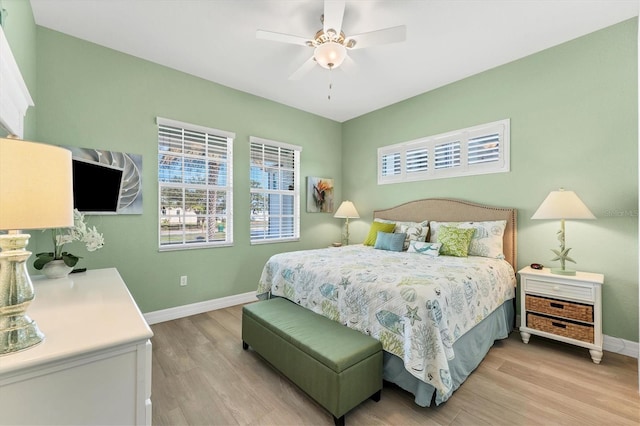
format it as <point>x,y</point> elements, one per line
<point>447,40</point>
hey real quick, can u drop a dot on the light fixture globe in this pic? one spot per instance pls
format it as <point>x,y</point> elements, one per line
<point>330,55</point>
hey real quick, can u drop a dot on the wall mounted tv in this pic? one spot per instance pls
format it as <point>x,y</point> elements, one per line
<point>96,187</point>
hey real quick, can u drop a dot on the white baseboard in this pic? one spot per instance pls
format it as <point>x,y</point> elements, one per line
<point>614,344</point>
<point>620,346</point>
<point>611,344</point>
<point>198,308</point>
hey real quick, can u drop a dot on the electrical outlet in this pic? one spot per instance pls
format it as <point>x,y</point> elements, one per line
<point>183,281</point>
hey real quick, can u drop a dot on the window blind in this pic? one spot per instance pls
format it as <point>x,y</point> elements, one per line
<point>195,185</point>
<point>275,193</point>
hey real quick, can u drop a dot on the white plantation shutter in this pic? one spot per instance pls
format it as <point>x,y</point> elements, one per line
<point>417,160</point>
<point>472,151</point>
<point>484,149</point>
<point>195,185</point>
<point>446,155</point>
<point>391,165</point>
<point>275,192</point>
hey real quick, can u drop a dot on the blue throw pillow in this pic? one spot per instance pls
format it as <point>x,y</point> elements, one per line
<point>390,241</point>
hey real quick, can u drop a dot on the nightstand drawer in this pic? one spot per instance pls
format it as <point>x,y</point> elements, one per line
<point>559,308</point>
<point>559,327</point>
<point>561,291</point>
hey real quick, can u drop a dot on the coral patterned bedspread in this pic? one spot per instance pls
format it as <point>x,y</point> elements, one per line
<point>416,305</point>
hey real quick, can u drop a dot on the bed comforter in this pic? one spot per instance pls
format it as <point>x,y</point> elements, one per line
<point>416,305</point>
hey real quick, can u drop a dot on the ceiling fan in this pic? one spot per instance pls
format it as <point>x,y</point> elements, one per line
<point>330,44</point>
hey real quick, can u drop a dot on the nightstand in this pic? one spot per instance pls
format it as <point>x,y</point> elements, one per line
<point>561,307</point>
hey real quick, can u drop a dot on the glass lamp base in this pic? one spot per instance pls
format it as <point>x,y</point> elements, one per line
<point>22,334</point>
<point>561,271</point>
<point>17,330</point>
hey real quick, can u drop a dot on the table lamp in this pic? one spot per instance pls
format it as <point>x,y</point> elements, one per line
<point>562,205</point>
<point>36,192</point>
<point>347,211</point>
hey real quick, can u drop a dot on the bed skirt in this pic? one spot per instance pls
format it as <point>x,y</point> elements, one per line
<point>470,350</point>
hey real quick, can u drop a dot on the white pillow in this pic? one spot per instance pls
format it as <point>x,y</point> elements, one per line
<point>416,231</point>
<point>428,249</point>
<point>487,238</point>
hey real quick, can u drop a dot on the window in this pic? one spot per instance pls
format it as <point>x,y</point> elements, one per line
<point>275,191</point>
<point>195,185</point>
<point>472,151</point>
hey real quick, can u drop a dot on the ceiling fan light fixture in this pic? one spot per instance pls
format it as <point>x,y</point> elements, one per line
<point>330,55</point>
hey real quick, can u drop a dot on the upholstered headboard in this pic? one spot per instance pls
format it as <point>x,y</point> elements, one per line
<point>443,210</point>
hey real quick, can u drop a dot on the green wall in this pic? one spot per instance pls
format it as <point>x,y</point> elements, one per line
<point>574,121</point>
<point>90,96</point>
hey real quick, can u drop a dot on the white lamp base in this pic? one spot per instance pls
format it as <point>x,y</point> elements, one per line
<point>17,330</point>
<point>561,271</point>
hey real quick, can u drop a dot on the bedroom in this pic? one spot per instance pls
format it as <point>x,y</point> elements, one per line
<point>559,140</point>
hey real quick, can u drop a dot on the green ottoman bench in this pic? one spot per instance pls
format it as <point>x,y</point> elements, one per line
<point>336,366</point>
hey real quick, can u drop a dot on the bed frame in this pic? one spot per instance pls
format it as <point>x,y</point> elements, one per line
<point>452,210</point>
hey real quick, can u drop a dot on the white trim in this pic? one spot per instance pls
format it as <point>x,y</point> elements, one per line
<point>263,141</point>
<point>15,99</point>
<point>431,144</point>
<point>183,125</point>
<point>620,346</point>
<point>610,344</point>
<point>199,308</point>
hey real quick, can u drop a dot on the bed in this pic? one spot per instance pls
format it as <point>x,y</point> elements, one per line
<point>436,316</point>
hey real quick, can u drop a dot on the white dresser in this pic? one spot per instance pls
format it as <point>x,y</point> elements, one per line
<point>94,366</point>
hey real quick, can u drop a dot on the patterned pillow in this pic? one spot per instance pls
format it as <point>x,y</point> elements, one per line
<point>373,232</point>
<point>416,231</point>
<point>487,239</point>
<point>455,241</point>
<point>429,249</point>
<point>389,241</point>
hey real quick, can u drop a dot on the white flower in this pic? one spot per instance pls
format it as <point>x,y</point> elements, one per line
<point>93,239</point>
<point>78,232</point>
<point>62,239</point>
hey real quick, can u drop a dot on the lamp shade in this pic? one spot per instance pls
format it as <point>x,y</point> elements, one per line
<point>347,211</point>
<point>563,205</point>
<point>36,186</point>
<point>330,54</point>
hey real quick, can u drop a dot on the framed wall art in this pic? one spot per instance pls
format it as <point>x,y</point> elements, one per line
<point>319,195</point>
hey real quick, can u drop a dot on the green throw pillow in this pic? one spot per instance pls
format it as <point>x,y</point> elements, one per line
<point>455,241</point>
<point>373,232</point>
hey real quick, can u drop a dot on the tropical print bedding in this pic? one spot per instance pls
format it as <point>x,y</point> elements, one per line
<point>416,305</point>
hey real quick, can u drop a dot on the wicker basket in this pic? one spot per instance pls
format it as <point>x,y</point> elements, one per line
<point>582,332</point>
<point>560,308</point>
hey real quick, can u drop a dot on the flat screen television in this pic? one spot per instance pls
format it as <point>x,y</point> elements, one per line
<point>96,187</point>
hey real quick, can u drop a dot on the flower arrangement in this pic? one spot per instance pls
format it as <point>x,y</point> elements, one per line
<point>61,236</point>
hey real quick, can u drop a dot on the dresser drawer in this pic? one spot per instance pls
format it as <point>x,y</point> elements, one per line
<point>560,327</point>
<point>561,291</point>
<point>559,308</point>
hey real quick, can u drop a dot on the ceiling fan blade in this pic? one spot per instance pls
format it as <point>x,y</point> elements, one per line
<point>304,69</point>
<point>333,14</point>
<point>348,65</point>
<point>373,38</point>
<point>283,38</point>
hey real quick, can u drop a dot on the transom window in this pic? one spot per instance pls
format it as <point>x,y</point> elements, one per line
<point>472,151</point>
<point>195,185</point>
<point>275,193</point>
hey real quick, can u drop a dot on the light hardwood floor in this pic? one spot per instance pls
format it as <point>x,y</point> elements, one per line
<point>201,376</point>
